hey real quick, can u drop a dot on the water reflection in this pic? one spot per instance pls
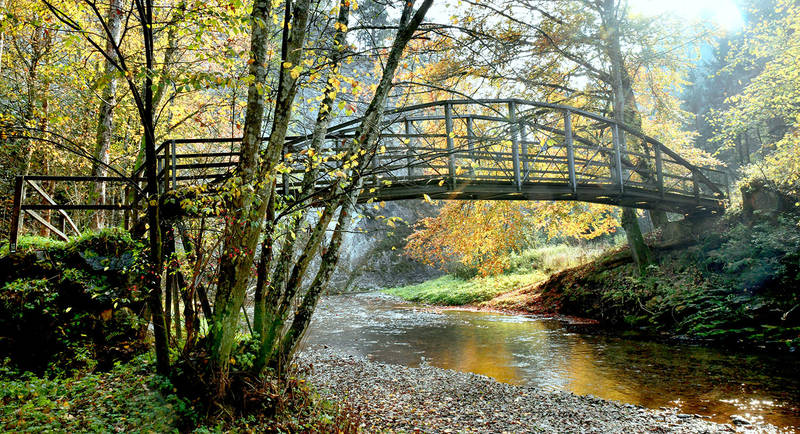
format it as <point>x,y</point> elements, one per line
<point>520,350</point>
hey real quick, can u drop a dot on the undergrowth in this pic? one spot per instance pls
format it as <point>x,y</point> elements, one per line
<point>739,284</point>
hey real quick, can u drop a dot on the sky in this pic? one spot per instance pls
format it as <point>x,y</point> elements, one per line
<point>725,13</point>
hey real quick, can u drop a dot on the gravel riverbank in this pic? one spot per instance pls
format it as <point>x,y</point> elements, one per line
<point>394,398</point>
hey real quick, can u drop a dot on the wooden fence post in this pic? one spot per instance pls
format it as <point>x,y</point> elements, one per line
<point>659,169</point>
<point>174,164</point>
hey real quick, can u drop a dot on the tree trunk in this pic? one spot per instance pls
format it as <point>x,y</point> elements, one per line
<point>302,317</point>
<point>155,259</point>
<point>639,250</point>
<point>254,177</point>
<point>105,121</point>
<point>281,342</point>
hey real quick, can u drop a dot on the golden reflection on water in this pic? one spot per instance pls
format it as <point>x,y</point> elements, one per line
<point>543,353</point>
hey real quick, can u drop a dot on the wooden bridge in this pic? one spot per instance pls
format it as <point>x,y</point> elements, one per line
<point>501,149</point>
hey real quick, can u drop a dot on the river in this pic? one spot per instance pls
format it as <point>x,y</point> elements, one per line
<point>541,352</point>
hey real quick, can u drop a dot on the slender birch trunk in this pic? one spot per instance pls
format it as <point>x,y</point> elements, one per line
<point>105,121</point>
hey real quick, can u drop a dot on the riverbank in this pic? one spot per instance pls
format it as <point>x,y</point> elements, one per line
<point>430,399</point>
<point>733,283</point>
<point>463,287</point>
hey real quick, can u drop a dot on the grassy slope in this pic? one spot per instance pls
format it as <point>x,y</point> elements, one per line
<point>526,269</point>
<point>452,291</point>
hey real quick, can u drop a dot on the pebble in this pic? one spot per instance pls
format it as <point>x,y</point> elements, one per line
<point>394,398</point>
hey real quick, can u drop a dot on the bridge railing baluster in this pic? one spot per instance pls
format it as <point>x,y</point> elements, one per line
<point>448,121</point>
<point>523,142</point>
<point>573,182</point>
<point>659,169</point>
<point>174,168</point>
<point>512,118</point>
<point>620,174</point>
<point>471,147</point>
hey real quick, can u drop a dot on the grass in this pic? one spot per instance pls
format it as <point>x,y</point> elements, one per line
<point>452,291</point>
<point>526,268</point>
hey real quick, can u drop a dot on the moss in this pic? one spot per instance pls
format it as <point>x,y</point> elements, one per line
<point>28,243</point>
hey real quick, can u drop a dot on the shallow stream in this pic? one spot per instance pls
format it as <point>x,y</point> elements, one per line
<point>544,353</point>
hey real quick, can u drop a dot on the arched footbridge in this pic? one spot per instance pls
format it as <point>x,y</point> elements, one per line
<point>500,149</point>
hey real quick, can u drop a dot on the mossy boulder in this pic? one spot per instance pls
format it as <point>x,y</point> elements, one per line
<point>71,305</point>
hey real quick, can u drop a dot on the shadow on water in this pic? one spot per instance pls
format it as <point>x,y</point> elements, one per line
<point>543,353</point>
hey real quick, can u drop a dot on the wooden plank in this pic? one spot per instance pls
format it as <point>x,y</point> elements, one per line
<point>47,224</point>
<point>448,125</point>
<point>573,181</point>
<point>51,201</point>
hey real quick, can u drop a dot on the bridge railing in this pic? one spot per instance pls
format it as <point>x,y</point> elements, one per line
<point>463,142</point>
<point>522,143</point>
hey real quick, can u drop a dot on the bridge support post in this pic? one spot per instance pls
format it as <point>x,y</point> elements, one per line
<point>448,125</point>
<point>512,117</point>
<point>618,158</point>
<point>573,182</point>
<point>16,213</point>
